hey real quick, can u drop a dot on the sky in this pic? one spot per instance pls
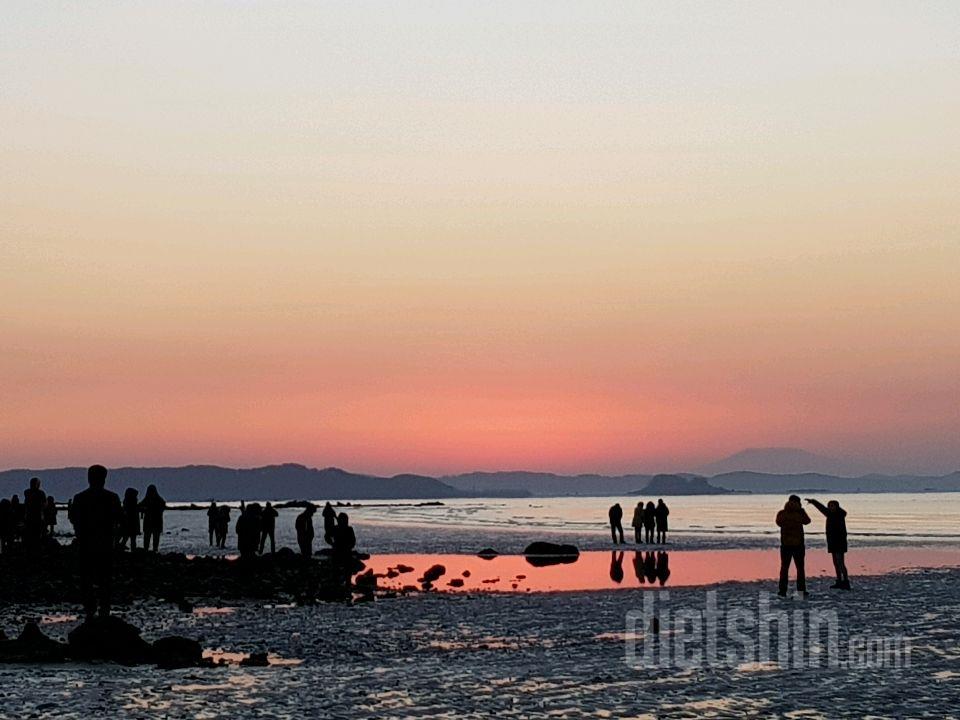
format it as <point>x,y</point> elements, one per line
<point>441,237</point>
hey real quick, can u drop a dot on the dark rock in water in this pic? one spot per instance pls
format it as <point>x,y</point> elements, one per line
<point>109,638</point>
<point>259,659</point>
<point>366,580</point>
<point>32,647</point>
<point>177,652</point>
<point>487,553</point>
<point>433,573</point>
<point>466,573</point>
<point>401,568</point>
<point>456,582</point>
<point>541,554</point>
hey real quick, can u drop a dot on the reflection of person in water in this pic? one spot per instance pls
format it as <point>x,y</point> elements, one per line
<point>616,522</point>
<point>638,565</point>
<point>616,566</point>
<point>650,567</point>
<point>663,567</point>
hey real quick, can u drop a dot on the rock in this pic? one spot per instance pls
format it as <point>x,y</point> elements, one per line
<point>177,652</point>
<point>540,554</point>
<point>401,568</point>
<point>433,573</point>
<point>366,580</point>
<point>466,573</point>
<point>487,553</point>
<point>456,582</point>
<point>259,659</point>
<point>32,646</point>
<point>109,638</point>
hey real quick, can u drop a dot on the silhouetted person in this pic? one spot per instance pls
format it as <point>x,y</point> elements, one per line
<point>130,522</point>
<point>329,523</point>
<point>344,539</point>
<point>268,527</point>
<point>663,567</point>
<point>248,531</point>
<point>615,514</point>
<point>34,500</point>
<point>16,515</point>
<point>637,523</point>
<point>152,509</point>
<point>304,527</point>
<point>650,567</point>
<point>638,565</point>
<point>649,521</point>
<point>50,516</point>
<point>223,525</point>
<point>661,514</point>
<point>616,566</point>
<point>94,514</point>
<point>6,525</point>
<point>791,520</point>
<point>836,539</point>
<point>212,513</point>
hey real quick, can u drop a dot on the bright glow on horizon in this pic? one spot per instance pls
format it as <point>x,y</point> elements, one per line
<point>433,238</point>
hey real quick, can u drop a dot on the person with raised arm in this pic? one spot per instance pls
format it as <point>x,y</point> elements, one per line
<point>836,539</point>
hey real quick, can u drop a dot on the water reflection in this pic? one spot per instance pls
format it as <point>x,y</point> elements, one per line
<point>601,570</point>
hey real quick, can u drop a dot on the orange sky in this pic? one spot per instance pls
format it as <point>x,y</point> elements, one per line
<point>436,239</point>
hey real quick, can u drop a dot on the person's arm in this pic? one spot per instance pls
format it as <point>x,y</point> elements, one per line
<point>780,519</point>
<point>805,519</point>
<point>819,506</point>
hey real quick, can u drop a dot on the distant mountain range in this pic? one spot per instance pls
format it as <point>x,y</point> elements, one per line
<point>782,461</point>
<point>201,483</point>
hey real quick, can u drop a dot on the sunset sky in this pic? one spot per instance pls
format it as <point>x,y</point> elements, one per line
<point>439,237</point>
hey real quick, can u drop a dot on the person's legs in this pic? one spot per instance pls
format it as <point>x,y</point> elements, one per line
<point>842,569</point>
<point>636,535</point>
<point>620,530</point>
<point>784,570</point>
<point>613,533</point>
<point>798,559</point>
<point>837,563</point>
<point>273,542</point>
<point>104,577</point>
<point>263,540</point>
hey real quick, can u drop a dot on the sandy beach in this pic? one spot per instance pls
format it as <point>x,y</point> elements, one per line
<point>524,654</point>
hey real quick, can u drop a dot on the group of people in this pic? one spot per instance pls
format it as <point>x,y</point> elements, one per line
<point>27,522</point>
<point>337,532</point>
<point>150,510</point>
<point>646,519</point>
<point>791,520</point>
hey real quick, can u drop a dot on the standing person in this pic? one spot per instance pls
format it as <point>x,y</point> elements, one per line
<point>661,516</point>
<point>248,531</point>
<point>152,509</point>
<point>791,520</point>
<point>836,539</point>
<point>34,500</point>
<point>329,523</point>
<point>637,523</point>
<point>223,525</point>
<point>6,525</point>
<point>49,516</point>
<point>130,522</point>
<point>616,522</point>
<point>304,527</point>
<point>344,539</point>
<point>94,514</point>
<point>649,521</point>
<point>212,514</point>
<point>268,526</point>
<point>16,517</point>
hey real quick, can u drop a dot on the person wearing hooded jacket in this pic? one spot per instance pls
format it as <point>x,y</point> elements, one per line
<point>836,539</point>
<point>791,520</point>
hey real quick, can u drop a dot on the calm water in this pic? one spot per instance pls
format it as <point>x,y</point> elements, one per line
<point>927,516</point>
